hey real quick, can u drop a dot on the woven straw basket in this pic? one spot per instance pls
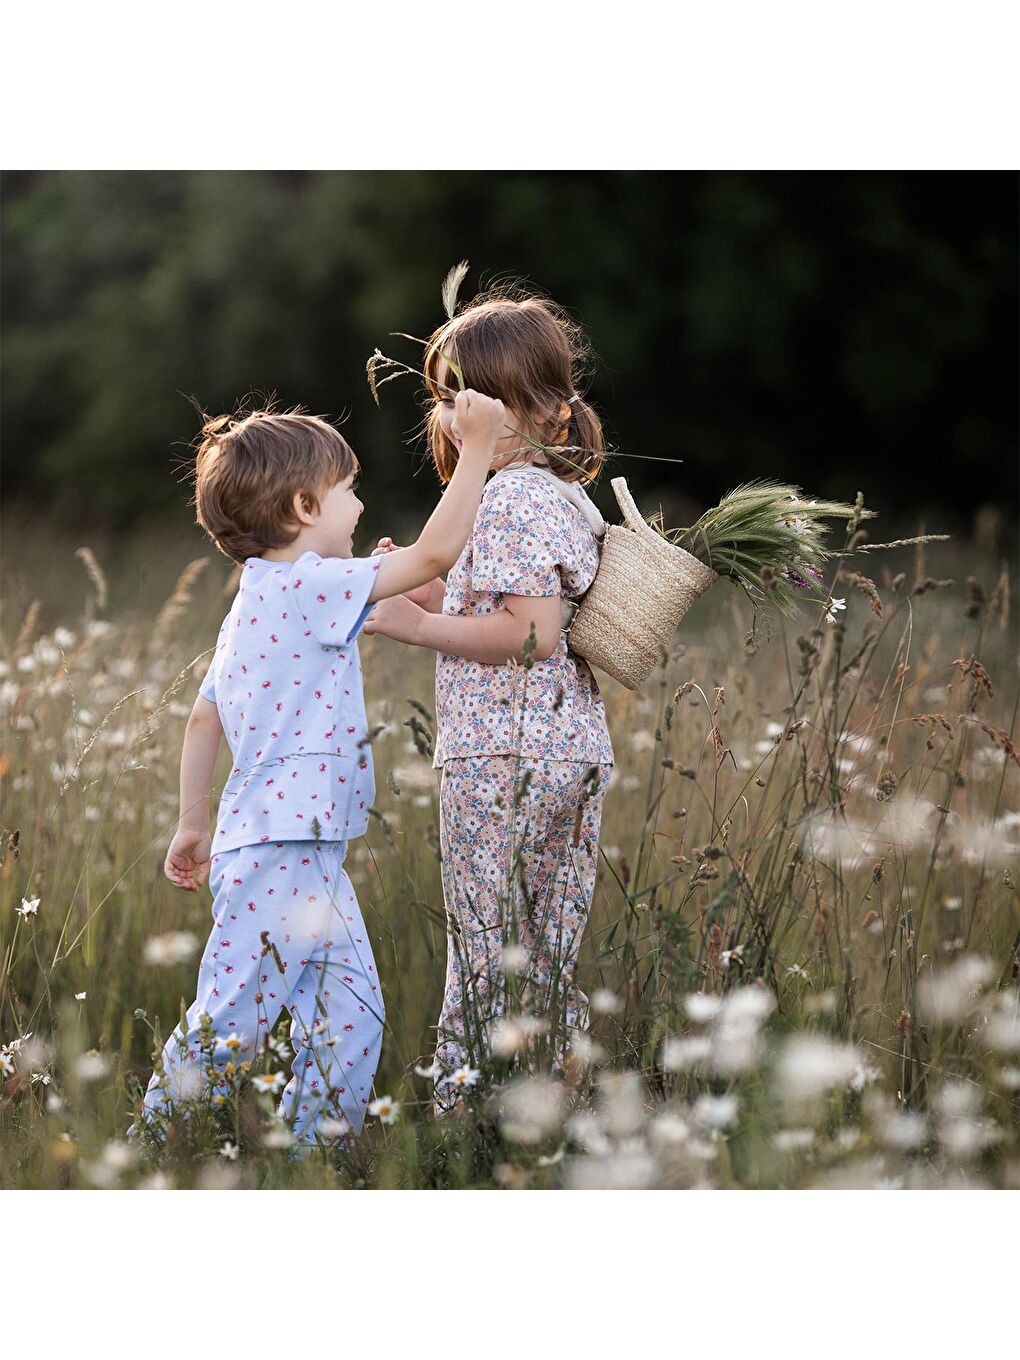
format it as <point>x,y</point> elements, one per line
<point>643,588</point>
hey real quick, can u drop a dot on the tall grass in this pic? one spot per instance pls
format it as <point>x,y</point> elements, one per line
<point>802,956</point>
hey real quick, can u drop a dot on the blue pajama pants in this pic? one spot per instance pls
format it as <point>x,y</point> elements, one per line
<point>320,969</point>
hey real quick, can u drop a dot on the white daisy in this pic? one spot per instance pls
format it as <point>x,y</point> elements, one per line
<point>268,1081</point>
<point>385,1109</point>
<point>29,907</point>
<point>464,1076</point>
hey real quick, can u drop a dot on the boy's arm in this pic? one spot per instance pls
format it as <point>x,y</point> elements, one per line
<point>187,860</point>
<point>431,595</point>
<point>481,422</point>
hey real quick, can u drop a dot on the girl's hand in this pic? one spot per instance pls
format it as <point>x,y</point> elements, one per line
<point>187,860</point>
<point>398,618</point>
<point>430,595</point>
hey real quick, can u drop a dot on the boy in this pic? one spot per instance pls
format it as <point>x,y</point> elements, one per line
<point>275,492</point>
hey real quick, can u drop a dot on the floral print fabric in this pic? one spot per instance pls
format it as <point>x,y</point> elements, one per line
<point>526,540</point>
<point>519,841</point>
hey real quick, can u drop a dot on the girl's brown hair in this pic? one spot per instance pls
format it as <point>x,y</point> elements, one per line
<point>250,466</point>
<point>529,353</point>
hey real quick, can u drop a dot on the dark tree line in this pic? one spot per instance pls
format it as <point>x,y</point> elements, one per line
<point>842,330</point>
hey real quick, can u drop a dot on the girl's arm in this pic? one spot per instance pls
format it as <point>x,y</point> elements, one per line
<point>493,639</point>
<point>187,860</point>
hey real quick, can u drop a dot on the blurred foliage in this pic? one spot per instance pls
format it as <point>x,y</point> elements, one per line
<point>840,330</point>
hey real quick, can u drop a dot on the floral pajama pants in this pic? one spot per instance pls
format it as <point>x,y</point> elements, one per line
<point>319,968</point>
<point>519,841</point>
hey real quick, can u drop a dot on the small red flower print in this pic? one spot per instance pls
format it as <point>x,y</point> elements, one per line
<point>266,684</point>
<point>347,594</point>
<point>320,598</point>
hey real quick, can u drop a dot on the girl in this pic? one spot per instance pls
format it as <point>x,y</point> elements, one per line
<point>521,730</point>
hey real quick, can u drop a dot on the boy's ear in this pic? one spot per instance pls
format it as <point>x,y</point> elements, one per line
<point>303,508</point>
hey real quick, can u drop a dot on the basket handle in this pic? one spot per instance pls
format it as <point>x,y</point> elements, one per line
<point>632,516</point>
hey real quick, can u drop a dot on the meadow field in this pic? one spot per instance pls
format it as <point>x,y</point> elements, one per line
<point>802,959</point>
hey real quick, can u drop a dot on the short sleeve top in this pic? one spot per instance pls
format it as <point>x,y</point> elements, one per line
<point>286,680</point>
<point>527,540</point>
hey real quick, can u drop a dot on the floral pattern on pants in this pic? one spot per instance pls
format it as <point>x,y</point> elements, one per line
<point>519,840</point>
<point>299,893</point>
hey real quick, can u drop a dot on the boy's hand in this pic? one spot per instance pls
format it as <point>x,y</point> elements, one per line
<point>187,860</point>
<point>397,618</point>
<point>478,422</point>
<point>428,595</point>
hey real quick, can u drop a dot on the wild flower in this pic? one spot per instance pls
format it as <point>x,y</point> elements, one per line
<point>948,993</point>
<point>586,1131</point>
<point>605,1002</point>
<point>621,1104</point>
<point>793,1140</point>
<point>385,1109</point>
<point>531,1109</point>
<point>683,1055</point>
<point>508,1037</point>
<point>269,1082</point>
<point>334,1128</point>
<point>163,951</point>
<point>229,1151</point>
<point>630,1168</point>
<point>7,1064</point>
<point>701,1007</point>
<point>903,1131</point>
<point>833,608</point>
<point>464,1076</point>
<point>554,1159</point>
<point>715,1112</point>
<point>91,1066</point>
<point>585,1051</point>
<point>431,1073</point>
<point>810,1066</point>
<point>730,956</point>
<point>515,958</point>
<point>278,1136</point>
<point>231,1041</point>
<point>80,996</point>
<point>864,1075</point>
<point>29,907</point>
<point>669,1129</point>
<point>795,970</point>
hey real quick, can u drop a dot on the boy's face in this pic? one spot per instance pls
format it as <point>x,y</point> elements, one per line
<point>339,512</point>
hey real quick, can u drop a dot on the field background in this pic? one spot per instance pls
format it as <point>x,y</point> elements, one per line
<point>849,332</point>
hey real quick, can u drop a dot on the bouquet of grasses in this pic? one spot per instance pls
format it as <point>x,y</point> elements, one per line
<point>765,537</point>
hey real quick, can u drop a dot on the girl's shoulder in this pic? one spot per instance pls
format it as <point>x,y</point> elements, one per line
<point>520,490</point>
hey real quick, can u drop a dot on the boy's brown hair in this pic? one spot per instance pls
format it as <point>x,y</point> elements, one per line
<point>526,351</point>
<point>250,466</point>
